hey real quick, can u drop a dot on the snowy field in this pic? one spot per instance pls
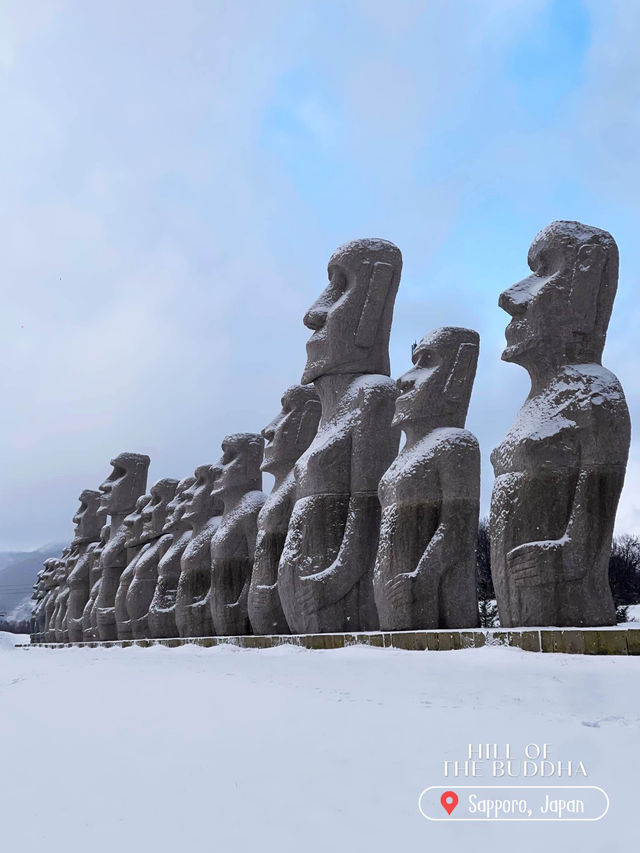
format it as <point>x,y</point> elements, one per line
<point>296,751</point>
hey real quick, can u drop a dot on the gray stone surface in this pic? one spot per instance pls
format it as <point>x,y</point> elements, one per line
<point>425,572</point>
<point>287,437</point>
<point>134,544</point>
<point>58,577</point>
<point>89,617</point>
<point>39,600</point>
<point>238,484</point>
<point>560,469</point>
<point>62,602</point>
<point>326,569</point>
<point>44,608</point>
<point>176,535</point>
<point>120,491</point>
<point>88,520</point>
<point>203,514</point>
<point>143,586</point>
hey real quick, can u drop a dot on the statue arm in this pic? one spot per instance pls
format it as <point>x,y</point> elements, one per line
<point>570,557</point>
<point>327,587</point>
<point>250,528</point>
<point>374,447</point>
<point>591,517</point>
<point>459,477</point>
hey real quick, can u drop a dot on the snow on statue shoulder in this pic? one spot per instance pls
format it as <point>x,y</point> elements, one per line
<point>560,469</point>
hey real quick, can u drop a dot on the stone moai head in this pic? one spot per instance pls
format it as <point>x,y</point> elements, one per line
<point>239,466</point>
<point>293,429</point>
<point>133,523</point>
<point>104,536</point>
<point>351,319</point>
<point>125,484</point>
<point>201,504</point>
<point>89,517</point>
<point>154,513</point>
<point>437,389</point>
<point>561,312</point>
<point>49,572</point>
<point>178,505</point>
<point>60,569</point>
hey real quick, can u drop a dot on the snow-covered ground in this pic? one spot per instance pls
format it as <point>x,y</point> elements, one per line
<point>293,750</point>
<point>633,613</point>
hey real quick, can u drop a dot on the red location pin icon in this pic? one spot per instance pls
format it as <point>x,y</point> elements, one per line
<point>449,801</point>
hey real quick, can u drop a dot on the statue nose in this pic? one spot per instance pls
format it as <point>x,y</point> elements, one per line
<point>315,317</point>
<point>515,300</point>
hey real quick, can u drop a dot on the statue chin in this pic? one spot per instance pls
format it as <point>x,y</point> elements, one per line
<point>311,372</point>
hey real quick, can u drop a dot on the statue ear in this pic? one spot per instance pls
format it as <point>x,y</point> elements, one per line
<point>376,298</point>
<point>308,424</point>
<point>462,372</point>
<point>254,457</point>
<point>585,291</point>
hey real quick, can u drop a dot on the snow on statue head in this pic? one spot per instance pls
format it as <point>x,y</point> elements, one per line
<point>289,434</point>
<point>437,389</point>
<point>177,507</point>
<point>200,504</point>
<point>351,319</point>
<point>133,522</point>
<point>125,484</point>
<point>561,312</point>
<point>154,513</point>
<point>239,467</point>
<point>560,468</point>
<point>89,517</point>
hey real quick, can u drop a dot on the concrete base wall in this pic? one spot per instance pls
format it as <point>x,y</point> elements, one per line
<point>583,641</point>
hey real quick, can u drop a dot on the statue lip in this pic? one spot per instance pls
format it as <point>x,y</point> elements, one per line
<point>517,325</point>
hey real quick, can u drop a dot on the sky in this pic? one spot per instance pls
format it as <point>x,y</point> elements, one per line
<point>175,175</point>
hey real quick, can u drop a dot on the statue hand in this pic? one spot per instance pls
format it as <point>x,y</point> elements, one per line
<point>399,590</point>
<point>308,593</point>
<point>535,564</point>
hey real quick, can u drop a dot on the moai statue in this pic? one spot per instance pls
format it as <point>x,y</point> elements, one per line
<point>135,543</point>
<point>62,601</point>
<point>57,582</point>
<point>239,484</point>
<point>120,492</point>
<point>287,437</point>
<point>145,577</point>
<point>325,576</point>
<point>88,520</point>
<point>89,614</point>
<point>50,587</point>
<point>176,534</point>
<point>37,597</point>
<point>42,588</point>
<point>560,469</point>
<point>203,514</point>
<point>425,571</point>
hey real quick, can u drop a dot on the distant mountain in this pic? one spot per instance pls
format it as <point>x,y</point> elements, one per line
<point>18,570</point>
<point>7,557</point>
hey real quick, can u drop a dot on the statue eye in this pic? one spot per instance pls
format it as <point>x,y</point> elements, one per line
<point>338,282</point>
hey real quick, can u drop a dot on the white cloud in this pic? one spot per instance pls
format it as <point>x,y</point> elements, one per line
<point>160,256</point>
